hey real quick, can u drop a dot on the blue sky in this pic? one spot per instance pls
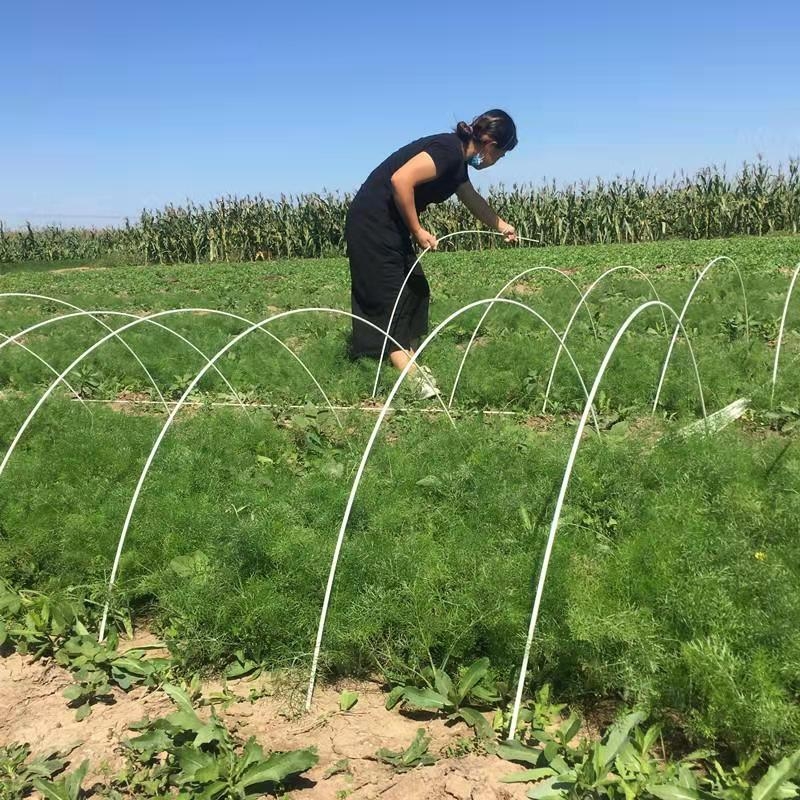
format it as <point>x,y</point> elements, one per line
<point>108,107</point>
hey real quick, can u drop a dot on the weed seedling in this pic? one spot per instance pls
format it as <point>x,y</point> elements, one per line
<point>452,697</point>
<point>415,755</point>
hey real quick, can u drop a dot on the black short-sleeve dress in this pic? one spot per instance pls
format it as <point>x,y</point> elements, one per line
<point>381,252</point>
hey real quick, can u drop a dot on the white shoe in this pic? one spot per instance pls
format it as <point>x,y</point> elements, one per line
<point>424,383</point>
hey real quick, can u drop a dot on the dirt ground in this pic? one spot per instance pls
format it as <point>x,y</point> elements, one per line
<point>34,711</point>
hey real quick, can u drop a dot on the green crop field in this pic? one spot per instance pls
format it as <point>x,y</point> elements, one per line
<point>674,583</point>
<point>757,199</point>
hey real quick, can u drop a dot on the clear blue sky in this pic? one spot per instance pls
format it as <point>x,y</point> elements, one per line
<point>108,107</point>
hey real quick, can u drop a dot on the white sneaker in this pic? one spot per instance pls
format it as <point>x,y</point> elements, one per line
<point>424,383</point>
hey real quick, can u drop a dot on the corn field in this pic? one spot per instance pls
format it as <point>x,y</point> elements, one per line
<point>758,200</point>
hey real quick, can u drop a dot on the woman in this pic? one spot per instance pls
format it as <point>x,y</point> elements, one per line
<point>384,216</point>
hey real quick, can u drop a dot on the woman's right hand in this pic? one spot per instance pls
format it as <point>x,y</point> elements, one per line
<point>425,239</point>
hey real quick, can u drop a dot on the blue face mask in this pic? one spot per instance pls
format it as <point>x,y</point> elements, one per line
<point>476,160</point>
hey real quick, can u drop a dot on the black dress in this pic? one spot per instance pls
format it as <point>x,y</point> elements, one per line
<point>381,252</point>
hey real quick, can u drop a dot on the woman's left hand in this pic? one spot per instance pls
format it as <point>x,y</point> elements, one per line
<point>509,232</point>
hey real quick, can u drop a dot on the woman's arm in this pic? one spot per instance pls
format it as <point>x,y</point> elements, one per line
<point>481,210</point>
<point>419,169</point>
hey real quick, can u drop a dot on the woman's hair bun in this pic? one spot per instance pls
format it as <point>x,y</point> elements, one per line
<point>464,131</point>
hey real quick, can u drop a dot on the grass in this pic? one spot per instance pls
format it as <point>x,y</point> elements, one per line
<point>674,581</point>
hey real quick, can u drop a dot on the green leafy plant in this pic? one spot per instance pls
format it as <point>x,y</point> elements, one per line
<point>736,783</point>
<point>537,713</point>
<point>784,418</point>
<point>202,759</point>
<point>621,766</point>
<point>178,385</point>
<point>452,697</point>
<point>347,700</point>
<point>90,686</point>
<point>36,623</point>
<point>415,755</point>
<point>39,625</point>
<point>86,380</point>
<point>243,667</point>
<point>456,581</point>
<point>97,666</point>
<point>340,767</point>
<point>67,787</point>
<point>19,772</point>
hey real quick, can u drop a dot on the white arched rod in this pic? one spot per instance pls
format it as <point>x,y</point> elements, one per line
<point>565,483</point>
<point>780,333</point>
<point>406,279</point>
<point>51,368</point>
<point>500,294</point>
<point>136,321</point>
<point>168,422</point>
<point>683,315</point>
<point>577,309</point>
<point>368,449</point>
<point>92,314</point>
<point>227,314</point>
<point>100,322</point>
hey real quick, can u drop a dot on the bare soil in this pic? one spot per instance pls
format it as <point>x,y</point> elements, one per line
<point>84,268</point>
<point>36,712</point>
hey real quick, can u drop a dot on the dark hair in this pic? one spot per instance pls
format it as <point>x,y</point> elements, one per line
<point>494,125</point>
